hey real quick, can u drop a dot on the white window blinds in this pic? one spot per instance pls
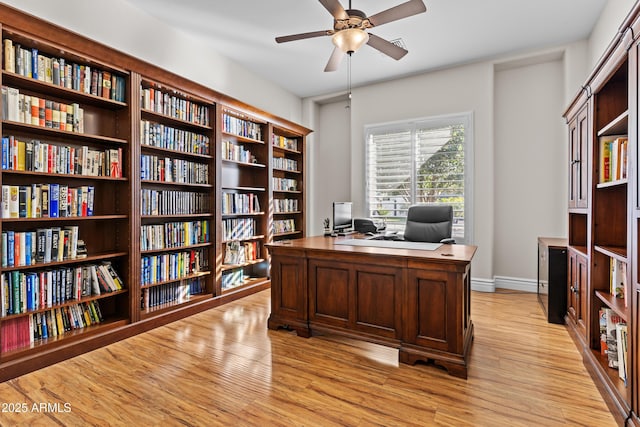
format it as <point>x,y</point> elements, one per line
<point>418,162</point>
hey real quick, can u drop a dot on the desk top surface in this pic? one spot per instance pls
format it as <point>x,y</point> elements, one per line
<point>451,253</point>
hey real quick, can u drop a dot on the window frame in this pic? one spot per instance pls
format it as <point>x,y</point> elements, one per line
<point>466,120</point>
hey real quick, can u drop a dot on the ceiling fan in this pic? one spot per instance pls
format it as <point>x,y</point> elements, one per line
<point>350,27</point>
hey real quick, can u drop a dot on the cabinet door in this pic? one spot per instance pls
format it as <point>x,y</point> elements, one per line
<point>578,158</point>
<point>577,290</point>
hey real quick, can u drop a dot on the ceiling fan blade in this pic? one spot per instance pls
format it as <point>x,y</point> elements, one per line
<point>335,9</point>
<point>404,10</point>
<point>292,37</point>
<point>386,47</point>
<point>334,60</point>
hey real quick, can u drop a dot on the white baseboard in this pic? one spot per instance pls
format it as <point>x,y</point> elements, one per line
<point>483,285</point>
<point>501,282</point>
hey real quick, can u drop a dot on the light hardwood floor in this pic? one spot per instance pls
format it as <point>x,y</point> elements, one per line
<point>223,367</point>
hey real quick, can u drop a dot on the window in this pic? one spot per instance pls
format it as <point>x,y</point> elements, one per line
<point>421,161</point>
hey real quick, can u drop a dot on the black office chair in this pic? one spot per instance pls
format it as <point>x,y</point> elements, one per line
<point>429,223</point>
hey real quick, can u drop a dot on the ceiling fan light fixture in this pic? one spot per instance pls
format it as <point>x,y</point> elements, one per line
<point>350,40</point>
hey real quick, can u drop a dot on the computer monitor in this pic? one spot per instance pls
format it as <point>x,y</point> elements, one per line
<point>342,216</point>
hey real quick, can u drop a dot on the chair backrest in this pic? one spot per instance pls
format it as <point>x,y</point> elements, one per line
<point>428,223</point>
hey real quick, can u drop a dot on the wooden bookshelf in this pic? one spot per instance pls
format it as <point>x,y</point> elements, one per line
<point>177,174</point>
<point>603,225</point>
<point>188,134</point>
<point>244,183</point>
<point>287,183</point>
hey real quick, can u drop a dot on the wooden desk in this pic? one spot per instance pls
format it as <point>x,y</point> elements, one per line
<point>416,301</point>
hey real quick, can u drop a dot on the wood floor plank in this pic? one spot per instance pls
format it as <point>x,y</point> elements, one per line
<point>224,367</point>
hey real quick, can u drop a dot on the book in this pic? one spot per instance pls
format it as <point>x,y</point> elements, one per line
<point>621,342</point>
<point>54,198</point>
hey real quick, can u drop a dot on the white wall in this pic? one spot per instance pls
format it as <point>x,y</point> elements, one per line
<point>530,164</point>
<point>331,157</point>
<point>606,28</point>
<point>463,89</point>
<point>119,25</point>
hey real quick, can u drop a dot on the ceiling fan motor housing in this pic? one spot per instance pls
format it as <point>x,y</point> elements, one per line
<point>357,19</point>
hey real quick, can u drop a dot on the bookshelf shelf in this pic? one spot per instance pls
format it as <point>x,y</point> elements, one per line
<point>227,187</point>
<point>67,218</point>
<point>67,304</point>
<point>173,184</point>
<point>617,252</point>
<point>617,126</point>
<point>246,239</point>
<point>169,307</point>
<point>174,121</point>
<point>11,79</point>
<point>232,215</point>
<point>183,154</point>
<point>85,260</point>
<point>288,233</point>
<point>244,164</point>
<point>226,267</point>
<point>611,184</point>
<point>179,279</point>
<point>68,135</point>
<point>68,337</point>
<point>616,304</point>
<point>241,138</point>
<point>288,213</point>
<point>63,175</point>
<point>176,216</point>
<point>247,283</point>
<point>177,248</point>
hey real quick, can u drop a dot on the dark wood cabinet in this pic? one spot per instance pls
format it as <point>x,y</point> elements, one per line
<point>579,138</point>
<point>552,278</point>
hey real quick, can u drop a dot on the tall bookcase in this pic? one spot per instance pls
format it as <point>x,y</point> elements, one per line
<point>244,189</point>
<point>603,288</point>
<point>177,212</point>
<point>168,185</point>
<point>66,160</point>
<point>287,183</point>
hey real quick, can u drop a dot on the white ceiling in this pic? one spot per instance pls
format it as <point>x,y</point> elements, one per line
<point>451,32</point>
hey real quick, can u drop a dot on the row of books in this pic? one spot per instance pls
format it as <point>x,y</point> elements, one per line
<point>24,248</point>
<point>233,278</point>
<point>172,106</point>
<point>614,341</point>
<point>240,203</point>
<point>37,156</point>
<point>22,292</point>
<point>31,110</point>
<point>47,201</point>
<point>31,63</point>
<point>165,169</point>
<point>237,253</point>
<point>284,184</point>
<point>613,158</point>
<point>284,142</point>
<point>167,137</point>
<point>238,228</point>
<point>618,279</point>
<point>172,266</point>
<point>285,205</point>
<point>241,127</point>
<point>172,293</point>
<point>173,235</point>
<point>237,152</point>
<point>285,164</point>
<point>23,331</point>
<point>284,226</point>
<point>172,202</point>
